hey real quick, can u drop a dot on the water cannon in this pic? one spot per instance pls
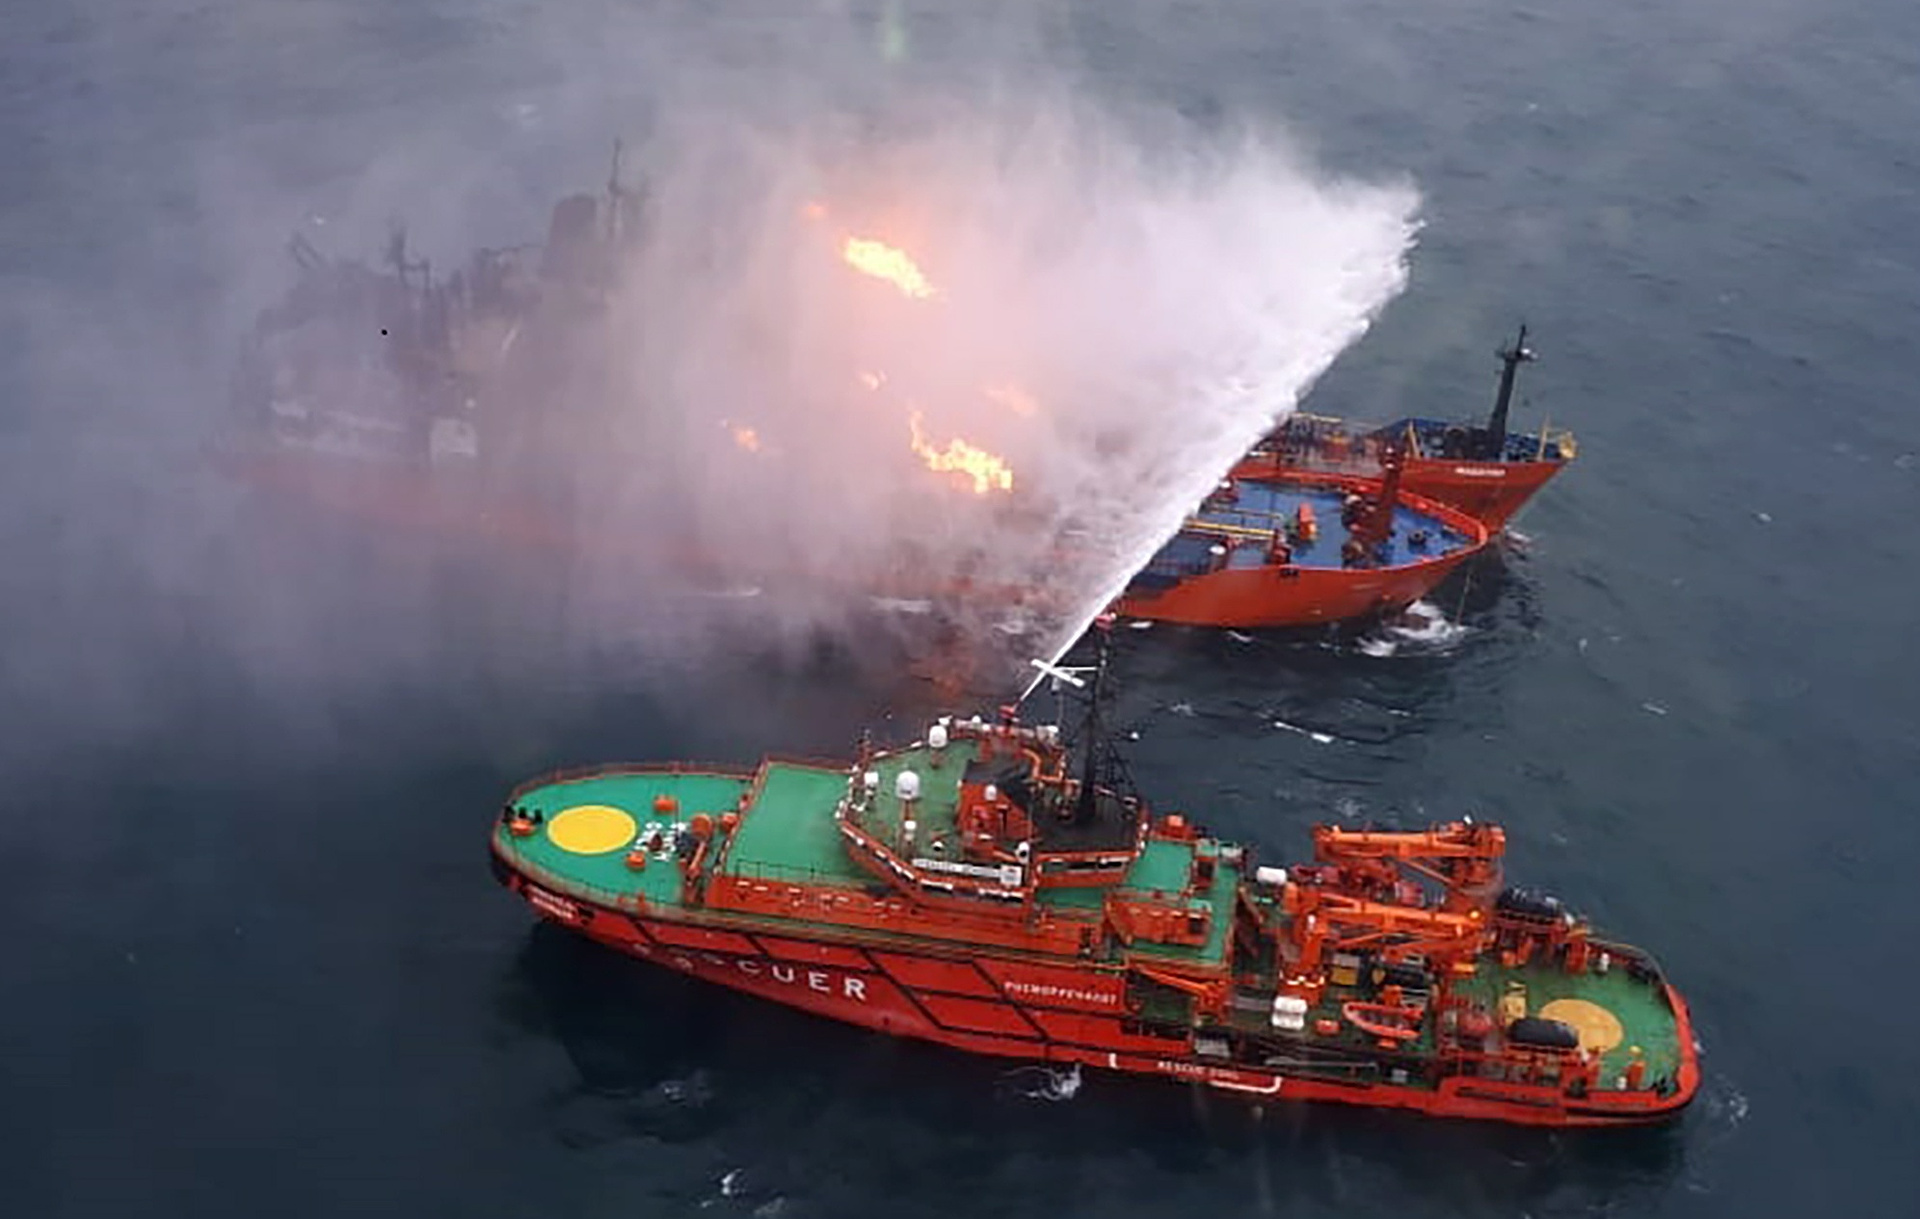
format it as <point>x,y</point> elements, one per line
<point>1063,673</point>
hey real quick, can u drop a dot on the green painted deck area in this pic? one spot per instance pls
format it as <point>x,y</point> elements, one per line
<point>936,813</point>
<point>788,833</point>
<point>1163,867</point>
<point>1084,897</point>
<point>606,873</point>
<point>1641,1007</point>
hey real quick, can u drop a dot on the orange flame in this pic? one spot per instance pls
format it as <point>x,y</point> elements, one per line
<point>882,261</point>
<point>987,471</point>
<point>744,436</point>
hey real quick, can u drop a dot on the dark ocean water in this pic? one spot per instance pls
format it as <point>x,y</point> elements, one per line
<point>257,966</point>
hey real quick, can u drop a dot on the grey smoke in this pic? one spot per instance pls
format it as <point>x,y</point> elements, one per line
<point>1160,288</point>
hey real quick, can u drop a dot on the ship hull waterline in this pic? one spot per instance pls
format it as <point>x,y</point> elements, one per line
<point>1273,598</point>
<point>957,1001</point>
<point>1276,596</point>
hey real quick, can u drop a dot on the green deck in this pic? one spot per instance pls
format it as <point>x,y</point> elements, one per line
<point>606,874</point>
<point>789,832</point>
<point>1163,868</point>
<point>936,813</point>
<point>1641,1007</point>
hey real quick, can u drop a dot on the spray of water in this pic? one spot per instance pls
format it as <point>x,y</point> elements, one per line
<point>1115,302</point>
<point>985,359</point>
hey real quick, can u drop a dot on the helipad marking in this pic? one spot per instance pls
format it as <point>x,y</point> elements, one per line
<point>1599,1028</point>
<point>591,829</point>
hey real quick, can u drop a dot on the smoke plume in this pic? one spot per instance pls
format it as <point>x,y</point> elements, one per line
<point>762,430</point>
<point>974,362</point>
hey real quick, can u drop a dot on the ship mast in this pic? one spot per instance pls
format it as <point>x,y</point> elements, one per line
<point>1090,739</point>
<point>1510,360</point>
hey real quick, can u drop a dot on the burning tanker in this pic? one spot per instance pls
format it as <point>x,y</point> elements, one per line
<point>989,371</point>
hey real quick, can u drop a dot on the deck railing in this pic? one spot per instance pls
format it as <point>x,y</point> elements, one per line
<point>576,774</point>
<point>692,769</point>
<point>568,887</point>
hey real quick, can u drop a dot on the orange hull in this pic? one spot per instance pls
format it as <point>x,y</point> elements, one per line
<point>458,504</point>
<point>985,1002</point>
<point>1489,491</point>
<point>1292,596</point>
<point>1306,594</point>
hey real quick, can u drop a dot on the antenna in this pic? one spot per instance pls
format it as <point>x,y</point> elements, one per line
<point>1092,744</point>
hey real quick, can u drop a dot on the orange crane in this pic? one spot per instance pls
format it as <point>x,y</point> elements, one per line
<point>1461,857</point>
<point>1323,919</point>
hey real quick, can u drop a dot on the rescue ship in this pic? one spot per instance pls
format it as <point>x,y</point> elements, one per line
<point>1487,471</point>
<point>1257,555</point>
<point>984,888</point>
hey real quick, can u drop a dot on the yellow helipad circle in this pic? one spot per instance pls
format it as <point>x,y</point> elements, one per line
<point>1599,1028</point>
<point>592,829</point>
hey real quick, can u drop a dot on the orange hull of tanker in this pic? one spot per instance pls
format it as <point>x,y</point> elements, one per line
<point>1489,491</point>
<point>967,1001</point>
<point>1256,597</point>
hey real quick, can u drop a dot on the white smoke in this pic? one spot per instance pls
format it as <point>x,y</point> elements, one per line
<point>1159,290</point>
<point>1114,315</point>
